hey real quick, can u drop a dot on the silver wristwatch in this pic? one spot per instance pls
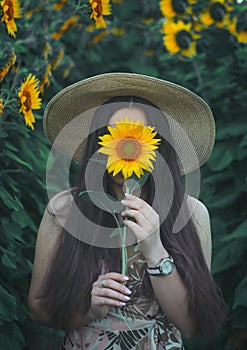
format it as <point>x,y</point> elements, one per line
<point>163,268</point>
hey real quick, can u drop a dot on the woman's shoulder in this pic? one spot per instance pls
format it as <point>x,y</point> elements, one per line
<point>59,205</point>
<point>197,208</point>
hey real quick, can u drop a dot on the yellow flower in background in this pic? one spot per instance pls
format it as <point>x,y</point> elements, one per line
<point>239,33</point>
<point>58,59</point>
<point>11,10</point>
<point>130,148</point>
<point>68,69</point>
<point>46,50</point>
<point>67,24</point>
<point>100,8</point>
<point>29,99</point>
<point>97,38</point>
<point>179,37</point>
<point>117,31</point>
<point>6,68</point>
<point>147,20</point>
<point>1,106</point>
<point>216,13</point>
<point>149,52</point>
<point>32,12</point>
<point>45,81</point>
<point>59,5</point>
<point>172,8</point>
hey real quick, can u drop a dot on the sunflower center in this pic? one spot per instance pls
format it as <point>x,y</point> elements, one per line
<point>10,10</point>
<point>129,149</point>
<point>97,8</point>
<point>27,100</point>
<point>179,6</point>
<point>183,39</point>
<point>217,11</point>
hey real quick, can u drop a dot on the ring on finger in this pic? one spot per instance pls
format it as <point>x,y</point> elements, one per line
<point>102,283</point>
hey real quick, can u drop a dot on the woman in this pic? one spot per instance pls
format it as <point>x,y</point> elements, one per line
<point>76,283</point>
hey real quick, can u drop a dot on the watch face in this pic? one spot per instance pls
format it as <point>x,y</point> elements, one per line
<point>166,267</point>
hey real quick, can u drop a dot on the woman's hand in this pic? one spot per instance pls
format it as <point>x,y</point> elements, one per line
<point>146,225</point>
<point>113,293</point>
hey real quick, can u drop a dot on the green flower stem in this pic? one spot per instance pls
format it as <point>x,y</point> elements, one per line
<point>124,251</point>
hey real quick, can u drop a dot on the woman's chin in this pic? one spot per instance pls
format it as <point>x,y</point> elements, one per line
<point>118,179</point>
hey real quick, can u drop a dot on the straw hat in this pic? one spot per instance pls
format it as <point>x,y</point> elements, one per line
<point>68,115</point>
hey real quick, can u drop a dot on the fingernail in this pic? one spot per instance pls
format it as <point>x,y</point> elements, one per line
<point>123,201</point>
<point>127,195</point>
<point>126,297</point>
<point>128,291</point>
<point>123,212</point>
<point>125,278</point>
<point>121,303</point>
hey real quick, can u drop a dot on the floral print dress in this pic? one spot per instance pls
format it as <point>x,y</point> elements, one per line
<point>146,327</point>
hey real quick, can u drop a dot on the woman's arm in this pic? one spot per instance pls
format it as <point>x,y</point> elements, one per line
<point>48,241</point>
<point>41,316</point>
<point>169,290</point>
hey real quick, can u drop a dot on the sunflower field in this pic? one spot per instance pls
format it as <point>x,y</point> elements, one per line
<point>47,45</point>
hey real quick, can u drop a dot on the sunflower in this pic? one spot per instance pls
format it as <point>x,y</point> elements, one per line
<point>6,68</point>
<point>130,148</point>
<point>216,13</point>
<point>179,38</point>
<point>238,30</point>
<point>98,9</point>
<point>11,9</point>
<point>172,8</point>
<point>28,95</point>
<point>1,106</point>
<point>59,5</point>
<point>67,24</point>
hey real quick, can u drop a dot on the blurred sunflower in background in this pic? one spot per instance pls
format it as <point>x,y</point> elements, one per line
<point>98,9</point>
<point>173,8</point>
<point>1,107</point>
<point>238,27</point>
<point>11,9</point>
<point>4,70</point>
<point>216,13</point>
<point>179,37</point>
<point>29,99</point>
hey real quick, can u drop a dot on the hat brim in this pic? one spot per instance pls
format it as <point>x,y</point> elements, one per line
<point>183,108</point>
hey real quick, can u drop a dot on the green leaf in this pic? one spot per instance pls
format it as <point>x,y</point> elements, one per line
<point>243,142</point>
<point>13,341</point>
<point>133,183</point>
<point>231,130</point>
<point>12,230</point>
<point>23,219</point>
<point>239,232</point>
<point>117,231</point>
<point>11,146</point>
<point>228,256</point>
<point>8,306</point>
<point>10,201</point>
<point>222,156</point>
<point>8,259</point>
<point>103,201</point>
<point>17,159</point>
<point>239,318</point>
<point>240,294</point>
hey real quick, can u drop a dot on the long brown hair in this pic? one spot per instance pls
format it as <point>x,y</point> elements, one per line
<point>76,264</point>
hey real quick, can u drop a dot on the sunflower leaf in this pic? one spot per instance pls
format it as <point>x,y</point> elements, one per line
<point>133,183</point>
<point>103,201</point>
<point>117,231</point>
